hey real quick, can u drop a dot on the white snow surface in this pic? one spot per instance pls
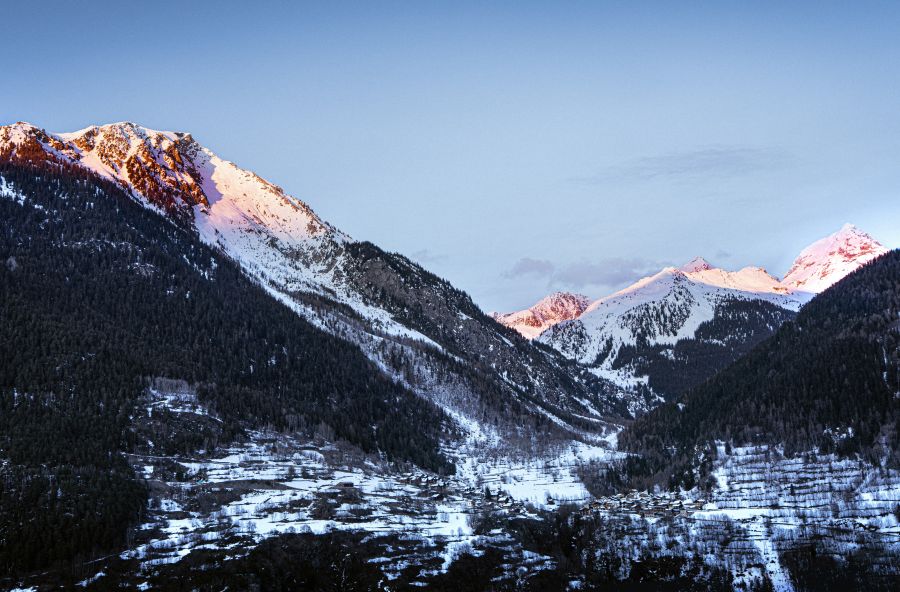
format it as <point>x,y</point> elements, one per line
<point>7,192</point>
<point>829,260</point>
<point>666,307</point>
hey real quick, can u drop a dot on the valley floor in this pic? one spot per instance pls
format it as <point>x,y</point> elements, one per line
<point>416,525</point>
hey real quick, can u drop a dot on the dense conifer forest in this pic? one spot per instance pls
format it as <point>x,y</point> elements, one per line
<point>736,328</point>
<point>98,296</point>
<point>827,381</point>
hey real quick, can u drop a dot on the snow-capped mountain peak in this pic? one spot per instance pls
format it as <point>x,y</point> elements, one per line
<point>550,310</point>
<point>658,311</point>
<point>696,264</point>
<point>16,134</point>
<point>830,259</point>
<point>277,238</point>
<point>171,171</point>
<point>748,279</point>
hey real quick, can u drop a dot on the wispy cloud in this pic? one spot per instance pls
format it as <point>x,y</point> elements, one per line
<point>540,268</point>
<point>425,256</point>
<point>709,162</point>
<point>610,272</point>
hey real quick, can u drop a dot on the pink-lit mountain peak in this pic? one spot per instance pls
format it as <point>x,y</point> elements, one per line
<point>696,264</point>
<point>830,259</point>
<point>550,310</point>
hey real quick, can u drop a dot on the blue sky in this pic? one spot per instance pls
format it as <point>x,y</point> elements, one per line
<point>514,148</point>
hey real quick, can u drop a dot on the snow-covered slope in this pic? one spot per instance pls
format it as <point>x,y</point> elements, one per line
<point>407,320</point>
<point>733,309</point>
<point>828,260</point>
<point>553,309</point>
<point>754,280</point>
<point>564,306</point>
<point>662,309</point>
<point>274,236</point>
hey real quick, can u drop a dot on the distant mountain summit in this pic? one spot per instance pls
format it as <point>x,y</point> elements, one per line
<point>751,282</point>
<point>829,260</point>
<point>636,331</point>
<point>550,310</point>
<point>695,264</point>
<point>677,327</point>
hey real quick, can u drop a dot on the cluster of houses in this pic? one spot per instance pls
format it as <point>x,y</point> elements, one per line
<point>641,503</point>
<point>424,480</point>
<point>502,500</point>
<point>645,504</point>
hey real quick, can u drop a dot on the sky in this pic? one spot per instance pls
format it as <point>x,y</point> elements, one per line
<point>514,148</point>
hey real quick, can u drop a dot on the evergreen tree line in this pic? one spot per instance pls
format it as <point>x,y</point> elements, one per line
<point>737,327</point>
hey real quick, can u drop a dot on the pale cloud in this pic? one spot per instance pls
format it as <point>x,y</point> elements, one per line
<point>531,267</point>
<point>609,272</point>
<point>426,256</point>
<point>704,163</point>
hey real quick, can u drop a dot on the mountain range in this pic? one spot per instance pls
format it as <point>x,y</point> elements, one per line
<point>207,386</point>
<point>690,320</point>
<point>636,338</point>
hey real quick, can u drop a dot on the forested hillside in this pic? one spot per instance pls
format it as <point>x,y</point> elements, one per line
<point>98,295</point>
<point>416,326</point>
<point>737,327</point>
<point>827,381</point>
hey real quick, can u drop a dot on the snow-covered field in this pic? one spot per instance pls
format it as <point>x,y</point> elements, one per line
<point>274,484</point>
<point>764,504</point>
